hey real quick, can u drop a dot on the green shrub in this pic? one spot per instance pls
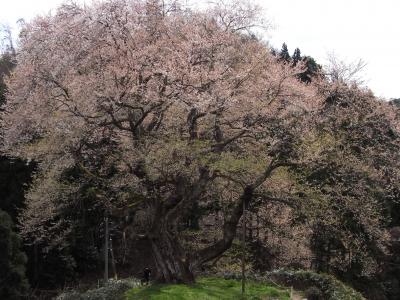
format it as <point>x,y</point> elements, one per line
<point>328,285</point>
<point>313,293</point>
<point>113,290</point>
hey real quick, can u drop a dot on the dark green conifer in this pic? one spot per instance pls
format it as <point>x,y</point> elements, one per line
<point>284,54</point>
<point>296,57</point>
<point>13,283</point>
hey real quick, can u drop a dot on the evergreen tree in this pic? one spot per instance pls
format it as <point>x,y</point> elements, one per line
<point>395,102</point>
<point>312,69</point>
<point>296,56</point>
<point>6,64</point>
<point>284,54</point>
<point>7,60</point>
<point>14,173</point>
<point>13,283</point>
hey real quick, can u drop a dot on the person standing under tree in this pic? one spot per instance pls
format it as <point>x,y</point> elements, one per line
<point>146,276</point>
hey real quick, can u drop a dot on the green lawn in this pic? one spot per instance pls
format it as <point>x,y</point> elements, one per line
<point>209,288</point>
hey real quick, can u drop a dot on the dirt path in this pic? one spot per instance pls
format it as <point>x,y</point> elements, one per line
<point>297,296</point>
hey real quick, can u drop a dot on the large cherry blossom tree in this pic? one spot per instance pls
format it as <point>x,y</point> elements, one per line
<point>153,99</point>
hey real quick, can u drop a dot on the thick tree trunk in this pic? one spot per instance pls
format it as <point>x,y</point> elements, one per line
<point>173,264</point>
<point>230,224</point>
<point>170,259</point>
<point>229,232</point>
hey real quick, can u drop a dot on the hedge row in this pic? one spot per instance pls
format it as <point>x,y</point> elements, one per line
<point>326,285</point>
<point>113,290</point>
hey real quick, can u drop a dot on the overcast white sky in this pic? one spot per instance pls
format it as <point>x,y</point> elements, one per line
<point>352,29</point>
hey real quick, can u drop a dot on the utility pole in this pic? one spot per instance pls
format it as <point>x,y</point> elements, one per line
<point>244,247</point>
<point>106,237</point>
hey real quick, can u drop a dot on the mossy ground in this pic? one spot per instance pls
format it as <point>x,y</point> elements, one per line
<point>208,288</point>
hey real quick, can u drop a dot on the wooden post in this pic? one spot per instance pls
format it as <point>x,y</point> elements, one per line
<point>106,237</point>
<point>113,260</point>
<point>244,249</point>
<point>35,263</point>
<point>258,226</point>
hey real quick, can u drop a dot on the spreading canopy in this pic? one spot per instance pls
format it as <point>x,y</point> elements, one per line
<point>176,105</point>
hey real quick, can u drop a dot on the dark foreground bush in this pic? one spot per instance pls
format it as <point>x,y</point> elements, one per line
<point>13,283</point>
<point>313,293</point>
<point>329,287</point>
<point>113,290</point>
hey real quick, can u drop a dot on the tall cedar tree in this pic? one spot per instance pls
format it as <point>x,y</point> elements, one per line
<point>13,284</point>
<point>284,53</point>
<point>296,57</point>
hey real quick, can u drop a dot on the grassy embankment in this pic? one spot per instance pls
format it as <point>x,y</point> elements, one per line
<point>210,288</point>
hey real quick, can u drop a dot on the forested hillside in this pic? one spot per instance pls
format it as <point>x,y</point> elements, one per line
<point>145,134</point>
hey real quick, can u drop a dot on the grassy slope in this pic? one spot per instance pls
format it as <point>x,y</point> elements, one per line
<point>210,288</point>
